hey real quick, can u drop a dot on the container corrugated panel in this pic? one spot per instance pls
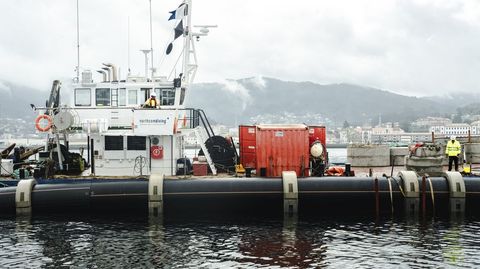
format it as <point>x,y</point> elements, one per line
<point>317,133</point>
<point>282,148</point>
<point>248,143</point>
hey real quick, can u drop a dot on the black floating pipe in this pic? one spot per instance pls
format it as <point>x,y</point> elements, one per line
<point>318,196</point>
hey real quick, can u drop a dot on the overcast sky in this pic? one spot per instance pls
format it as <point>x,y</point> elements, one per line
<point>420,47</point>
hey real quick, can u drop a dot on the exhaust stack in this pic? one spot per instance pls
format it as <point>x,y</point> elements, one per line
<point>104,75</point>
<point>114,71</point>
<point>108,73</point>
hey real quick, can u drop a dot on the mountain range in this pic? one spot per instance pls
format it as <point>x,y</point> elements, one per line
<point>245,100</point>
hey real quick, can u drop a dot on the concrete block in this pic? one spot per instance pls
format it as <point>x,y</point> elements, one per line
<point>368,155</point>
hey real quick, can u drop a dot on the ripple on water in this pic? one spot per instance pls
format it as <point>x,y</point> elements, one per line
<point>96,243</point>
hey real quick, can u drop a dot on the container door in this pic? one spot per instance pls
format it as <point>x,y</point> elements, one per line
<point>248,144</point>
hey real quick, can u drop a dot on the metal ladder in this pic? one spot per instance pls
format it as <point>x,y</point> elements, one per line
<point>199,133</point>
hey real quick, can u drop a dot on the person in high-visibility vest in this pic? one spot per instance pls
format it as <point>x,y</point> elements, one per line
<point>453,150</point>
<point>152,101</point>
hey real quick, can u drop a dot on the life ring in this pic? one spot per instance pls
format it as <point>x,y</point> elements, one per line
<point>41,127</point>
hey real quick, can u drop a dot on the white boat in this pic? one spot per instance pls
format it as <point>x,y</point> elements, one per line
<point>121,136</point>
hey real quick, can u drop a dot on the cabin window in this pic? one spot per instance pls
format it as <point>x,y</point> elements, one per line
<point>114,142</point>
<point>136,143</point>
<point>132,97</point>
<point>122,97</point>
<point>168,97</point>
<point>182,96</point>
<point>118,97</point>
<point>145,93</point>
<point>102,97</point>
<point>82,97</point>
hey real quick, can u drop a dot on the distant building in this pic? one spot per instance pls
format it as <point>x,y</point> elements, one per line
<point>459,129</point>
<point>425,124</point>
<point>399,138</point>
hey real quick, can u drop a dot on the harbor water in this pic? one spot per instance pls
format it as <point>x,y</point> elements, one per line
<point>92,242</point>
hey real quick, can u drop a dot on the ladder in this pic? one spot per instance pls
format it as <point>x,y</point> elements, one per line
<point>201,140</point>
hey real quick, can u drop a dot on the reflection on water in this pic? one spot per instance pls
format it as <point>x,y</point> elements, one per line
<point>87,242</point>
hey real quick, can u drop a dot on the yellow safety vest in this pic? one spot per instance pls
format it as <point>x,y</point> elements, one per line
<point>152,102</point>
<point>453,149</point>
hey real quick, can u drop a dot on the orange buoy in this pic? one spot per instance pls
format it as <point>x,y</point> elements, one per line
<point>39,123</point>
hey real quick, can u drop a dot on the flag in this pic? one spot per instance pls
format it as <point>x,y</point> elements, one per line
<point>178,30</point>
<point>179,13</point>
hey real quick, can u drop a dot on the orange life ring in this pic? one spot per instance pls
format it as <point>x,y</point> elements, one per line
<point>39,119</point>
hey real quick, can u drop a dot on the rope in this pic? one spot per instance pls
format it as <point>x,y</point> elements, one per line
<point>391,193</point>
<point>431,191</point>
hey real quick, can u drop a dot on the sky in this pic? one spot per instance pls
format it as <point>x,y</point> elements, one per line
<point>412,47</point>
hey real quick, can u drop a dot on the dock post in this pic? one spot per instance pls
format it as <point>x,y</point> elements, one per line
<point>23,196</point>
<point>290,193</point>
<point>412,192</point>
<point>456,185</point>
<point>155,195</point>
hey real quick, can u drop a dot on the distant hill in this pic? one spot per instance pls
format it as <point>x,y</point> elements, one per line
<point>241,99</point>
<point>237,101</point>
<point>16,99</point>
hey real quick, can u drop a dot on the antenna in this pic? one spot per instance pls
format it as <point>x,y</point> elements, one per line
<point>128,44</point>
<point>78,45</point>
<point>151,37</point>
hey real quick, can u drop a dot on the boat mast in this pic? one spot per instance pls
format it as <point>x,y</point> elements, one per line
<point>151,40</point>
<point>188,68</point>
<point>190,65</point>
<point>78,44</point>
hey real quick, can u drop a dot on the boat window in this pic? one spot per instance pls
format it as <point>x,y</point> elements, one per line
<point>158,91</point>
<point>132,97</point>
<point>114,97</point>
<point>122,97</point>
<point>145,92</point>
<point>182,96</point>
<point>136,143</point>
<point>102,97</point>
<point>82,97</point>
<point>168,97</point>
<point>113,142</point>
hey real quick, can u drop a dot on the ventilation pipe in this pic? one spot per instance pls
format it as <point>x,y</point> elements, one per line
<point>114,71</point>
<point>108,72</point>
<point>104,75</point>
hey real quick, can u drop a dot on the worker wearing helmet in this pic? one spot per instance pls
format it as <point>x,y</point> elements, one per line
<point>453,150</point>
<point>152,102</point>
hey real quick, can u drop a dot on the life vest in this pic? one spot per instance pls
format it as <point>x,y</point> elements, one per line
<point>453,148</point>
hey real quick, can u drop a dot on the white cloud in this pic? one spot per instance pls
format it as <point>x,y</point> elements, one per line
<point>238,90</point>
<point>5,88</point>
<point>417,47</point>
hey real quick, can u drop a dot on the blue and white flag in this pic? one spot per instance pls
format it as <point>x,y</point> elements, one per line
<point>179,13</point>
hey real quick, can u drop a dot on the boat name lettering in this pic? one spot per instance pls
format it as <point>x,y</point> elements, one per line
<point>153,121</point>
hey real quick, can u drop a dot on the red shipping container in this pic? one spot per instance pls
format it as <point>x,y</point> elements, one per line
<point>248,143</point>
<point>282,148</point>
<point>317,133</point>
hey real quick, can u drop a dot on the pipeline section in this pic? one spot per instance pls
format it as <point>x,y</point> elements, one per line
<point>403,194</point>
